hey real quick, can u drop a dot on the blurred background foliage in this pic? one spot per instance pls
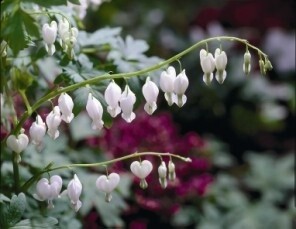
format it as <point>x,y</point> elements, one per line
<point>253,116</point>
<point>240,134</point>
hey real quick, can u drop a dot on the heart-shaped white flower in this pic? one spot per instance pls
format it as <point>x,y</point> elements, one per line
<point>141,169</point>
<point>107,184</point>
<point>17,144</point>
<point>48,189</point>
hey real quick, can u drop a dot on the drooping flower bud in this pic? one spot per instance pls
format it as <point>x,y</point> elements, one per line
<point>262,67</point>
<point>95,112</point>
<point>166,83</point>
<point>48,190</point>
<point>247,63</point>
<point>53,120</point>
<point>220,62</point>
<point>150,92</point>
<point>207,62</point>
<point>127,102</point>
<point>162,172</point>
<point>107,184</point>
<point>17,144</point>
<point>66,106</point>
<point>74,190</point>
<point>142,170</point>
<point>180,86</point>
<point>172,173</point>
<point>49,33</point>
<point>268,65</point>
<point>37,131</point>
<point>112,96</point>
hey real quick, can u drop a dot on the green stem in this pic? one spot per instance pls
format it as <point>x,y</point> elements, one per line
<point>16,175</point>
<point>49,169</point>
<point>26,101</point>
<point>100,78</point>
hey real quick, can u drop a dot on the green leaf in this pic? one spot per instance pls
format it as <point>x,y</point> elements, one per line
<point>36,223</point>
<point>11,26</point>
<point>30,25</point>
<point>3,198</point>
<point>81,128</point>
<point>77,2</point>
<point>18,28</point>
<point>48,3</point>
<point>16,208</point>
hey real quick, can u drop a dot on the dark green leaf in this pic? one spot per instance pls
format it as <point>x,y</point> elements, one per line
<point>13,32</point>
<point>77,2</point>
<point>64,79</point>
<point>48,3</point>
<point>30,25</point>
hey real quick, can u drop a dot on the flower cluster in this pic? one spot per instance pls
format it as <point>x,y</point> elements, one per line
<point>118,101</point>
<point>67,36</point>
<point>209,63</point>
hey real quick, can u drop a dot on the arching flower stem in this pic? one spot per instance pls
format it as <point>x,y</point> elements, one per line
<point>144,71</point>
<point>49,168</point>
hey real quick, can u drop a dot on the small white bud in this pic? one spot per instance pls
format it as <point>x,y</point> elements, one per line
<point>162,172</point>
<point>247,63</point>
<point>53,120</point>
<point>95,111</point>
<point>112,96</point>
<point>172,173</point>
<point>37,131</point>
<point>150,92</point>
<point>127,102</point>
<point>66,106</point>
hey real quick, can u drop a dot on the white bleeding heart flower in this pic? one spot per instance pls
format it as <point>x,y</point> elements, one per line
<point>63,29</point>
<point>207,62</point>
<point>166,83</point>
<point>53,120</point>
<point>172,172</point>
<point>180,86</point>
<point>247,63</point>
<point>74,190</point>
<point>112,96</point>
<point>95,111</point>
<point>220,62</point>
<point>150,92</point>
<point>127,102</point>
<point>17,144</point>
<point>37,131</point>
<point>66,106</point>
<point>142,170</point>
<point>107,184</point>
<point>162,172</point>
<point>49,33</point>
<point>48,190</point>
